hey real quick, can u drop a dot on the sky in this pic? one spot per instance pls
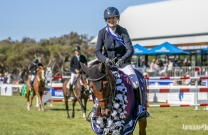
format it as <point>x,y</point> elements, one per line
<point>41,19</point>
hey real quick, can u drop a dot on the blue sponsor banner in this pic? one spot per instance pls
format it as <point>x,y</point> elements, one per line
<point>56,93</point>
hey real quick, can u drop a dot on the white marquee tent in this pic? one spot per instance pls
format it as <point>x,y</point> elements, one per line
<point>175,21</point>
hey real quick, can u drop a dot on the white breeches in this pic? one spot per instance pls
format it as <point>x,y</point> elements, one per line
<point>32,77</point>
<point>128,70</point>
<point>73,75</point>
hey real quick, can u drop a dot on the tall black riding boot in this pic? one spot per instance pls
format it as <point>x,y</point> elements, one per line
<point>70,90</point>
<point>137,94</point>
<point>71,87</point>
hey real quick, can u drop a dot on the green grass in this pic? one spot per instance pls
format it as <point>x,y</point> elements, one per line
<point>15,119</point>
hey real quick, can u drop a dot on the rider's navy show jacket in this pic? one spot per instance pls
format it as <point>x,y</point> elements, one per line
<point>74,64</point>
<point>33,68</point>
<point>111,48</point>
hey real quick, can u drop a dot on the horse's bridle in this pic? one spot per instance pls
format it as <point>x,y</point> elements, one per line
<point>111,96</point>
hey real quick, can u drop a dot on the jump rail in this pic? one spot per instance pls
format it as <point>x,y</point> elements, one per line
<point>176,105</point>
<point>175,90</point>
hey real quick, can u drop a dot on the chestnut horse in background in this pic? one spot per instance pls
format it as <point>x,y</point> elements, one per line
<point>107,90</point>
<point>80,91</point>
<point>38,88</point>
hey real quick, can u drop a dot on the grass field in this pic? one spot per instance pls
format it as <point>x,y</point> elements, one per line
<point>16,120</point>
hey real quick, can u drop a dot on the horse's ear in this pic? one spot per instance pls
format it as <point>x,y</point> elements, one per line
<point>85,68</point>
<point>102,67</point>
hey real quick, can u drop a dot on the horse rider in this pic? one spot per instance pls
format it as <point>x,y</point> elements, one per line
<point>116,43</point>
<point>75,67</point>
<point>33,71</point>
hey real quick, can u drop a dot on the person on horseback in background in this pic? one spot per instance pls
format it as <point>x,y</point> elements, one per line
<point>33,70</point>
<point>75,67</point>
<point>116,43</point>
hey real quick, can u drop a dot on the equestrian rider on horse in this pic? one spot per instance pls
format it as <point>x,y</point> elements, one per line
<point>75,67</point>
<point>33,71</point>
<point>116,43</point>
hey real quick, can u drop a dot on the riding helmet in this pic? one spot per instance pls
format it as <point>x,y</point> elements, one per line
<point>111,12</point>
<point>77,48</point>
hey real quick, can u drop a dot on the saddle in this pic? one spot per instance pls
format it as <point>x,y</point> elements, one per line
<point>78,78</point>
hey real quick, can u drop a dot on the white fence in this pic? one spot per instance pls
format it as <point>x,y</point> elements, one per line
<point>11,90</point>
<point>178,95</point>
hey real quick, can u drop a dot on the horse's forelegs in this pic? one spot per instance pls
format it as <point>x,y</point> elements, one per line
<point>73,105</point>
<point>31,99</point>
<point>142,127</point>
<point>67,106</point>
<point>85,106</point>
<point>28,99</point>
<point>82,106</point>
<point>41,102</point>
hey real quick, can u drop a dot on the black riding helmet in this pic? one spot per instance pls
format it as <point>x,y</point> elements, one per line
<point>36,61</point>
<point>111,12</point>
<point>77,48</point>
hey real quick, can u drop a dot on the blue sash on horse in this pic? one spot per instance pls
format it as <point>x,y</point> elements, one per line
<point>133,109</point>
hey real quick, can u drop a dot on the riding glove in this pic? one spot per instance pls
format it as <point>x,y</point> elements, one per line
<point>119,63</point>
<point>108,62</point>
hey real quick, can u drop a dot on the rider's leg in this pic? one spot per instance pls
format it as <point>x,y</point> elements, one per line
<point>31,81</point>
<point>128,70</point>
<point>73,76</point>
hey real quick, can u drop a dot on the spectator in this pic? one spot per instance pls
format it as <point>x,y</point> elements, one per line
<point>160,63</point>
<point>156,67</point>
<point>162,72</point>
<point>175,62</point>
<point>5,78</point>
<point>179,63</point>
<point>187,81</point>
<point>186,62</point>
<point>143,66</point>
<point>1,78</point>
<point>145,74</point>
<point>170,67</point>
<point>152,65</point>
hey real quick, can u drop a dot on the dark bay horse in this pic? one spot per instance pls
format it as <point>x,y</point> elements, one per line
<point>115,111</point>
<point>38,88</point>
<point>80,91</point>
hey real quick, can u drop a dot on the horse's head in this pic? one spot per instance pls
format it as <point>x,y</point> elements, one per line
<point>41,72</point>
<point>102,83</point>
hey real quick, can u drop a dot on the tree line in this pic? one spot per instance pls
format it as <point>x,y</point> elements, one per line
<point>56,52</point>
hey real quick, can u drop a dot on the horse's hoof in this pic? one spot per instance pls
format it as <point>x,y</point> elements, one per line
<point>87,119</point>
<point>68,117</point>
